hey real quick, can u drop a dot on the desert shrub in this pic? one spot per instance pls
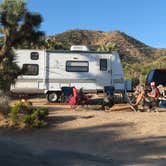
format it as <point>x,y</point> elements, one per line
<point>24,114</point>
<point>17,112</point>
<point>36,118</point>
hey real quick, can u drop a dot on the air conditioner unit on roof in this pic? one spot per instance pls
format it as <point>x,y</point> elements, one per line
<point>79,48</point>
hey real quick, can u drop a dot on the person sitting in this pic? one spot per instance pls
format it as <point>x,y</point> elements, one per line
<point>152,97</point>
<point>138,94</point>
<point>138,89</point>
<point>149,99</point>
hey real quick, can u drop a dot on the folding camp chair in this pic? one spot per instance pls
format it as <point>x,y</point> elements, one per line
<point>108,100</point>
<point>78,98</point>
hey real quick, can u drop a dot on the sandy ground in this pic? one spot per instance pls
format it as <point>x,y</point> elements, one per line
<point>88,137</point>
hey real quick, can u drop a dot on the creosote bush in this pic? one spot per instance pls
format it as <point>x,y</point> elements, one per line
<point>24,114</point>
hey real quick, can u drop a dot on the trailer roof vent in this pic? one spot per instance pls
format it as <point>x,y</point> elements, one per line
<point>79,48</point>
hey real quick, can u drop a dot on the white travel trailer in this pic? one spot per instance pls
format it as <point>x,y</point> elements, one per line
<point>48,71</point>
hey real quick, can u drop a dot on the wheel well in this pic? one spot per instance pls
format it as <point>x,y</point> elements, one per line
<point>53,96</point>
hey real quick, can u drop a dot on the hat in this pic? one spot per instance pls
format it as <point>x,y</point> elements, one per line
<point>152,83</point>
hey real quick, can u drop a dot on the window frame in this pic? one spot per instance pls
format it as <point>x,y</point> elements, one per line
<point>100,64</point>
<point>71,61</point>
<point>32,55</point>
<point>29,74</point>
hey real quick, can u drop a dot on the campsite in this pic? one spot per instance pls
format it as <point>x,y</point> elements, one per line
<point>82,83</point>
<point>88,137</point>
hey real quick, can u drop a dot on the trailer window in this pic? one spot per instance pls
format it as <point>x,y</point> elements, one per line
<point>103,64</point>
<point>34,55</point>
<point>30,69</point>
<point>77,66</point>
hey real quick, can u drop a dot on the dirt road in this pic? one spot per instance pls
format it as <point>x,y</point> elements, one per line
<point>88,137</point>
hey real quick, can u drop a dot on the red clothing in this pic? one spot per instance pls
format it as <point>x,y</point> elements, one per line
<point>155,92</point>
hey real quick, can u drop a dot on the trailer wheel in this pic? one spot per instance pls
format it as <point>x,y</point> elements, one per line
<point>52,97</point>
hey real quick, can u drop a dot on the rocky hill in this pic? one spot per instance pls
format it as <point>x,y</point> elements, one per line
<point>133,52</point>
<point>131,49</point>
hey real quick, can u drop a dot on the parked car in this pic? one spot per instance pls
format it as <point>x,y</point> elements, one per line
<point>158,76</point>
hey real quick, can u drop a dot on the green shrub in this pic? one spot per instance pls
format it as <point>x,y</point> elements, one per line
<point>39,124</point>
<point>13,115</point>
<point>36,118</point>
<point>23,114</point>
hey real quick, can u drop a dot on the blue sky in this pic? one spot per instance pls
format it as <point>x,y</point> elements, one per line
<point>143,19</point>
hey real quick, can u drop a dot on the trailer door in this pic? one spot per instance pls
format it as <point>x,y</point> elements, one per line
<point>104,77</point>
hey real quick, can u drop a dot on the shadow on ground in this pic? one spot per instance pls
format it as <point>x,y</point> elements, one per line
<point>101,145</point>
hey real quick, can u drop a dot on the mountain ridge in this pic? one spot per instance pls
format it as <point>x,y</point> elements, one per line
<point>128,46</point>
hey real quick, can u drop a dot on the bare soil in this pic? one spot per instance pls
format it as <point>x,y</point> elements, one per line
<point>88,136</point>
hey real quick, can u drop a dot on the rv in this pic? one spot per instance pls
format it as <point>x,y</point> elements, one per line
<point>47,71</point>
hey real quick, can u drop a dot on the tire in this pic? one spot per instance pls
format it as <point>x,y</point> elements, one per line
<point>52,97</point>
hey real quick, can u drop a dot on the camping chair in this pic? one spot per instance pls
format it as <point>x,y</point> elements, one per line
<point>81,98</point>
<point>72,101</point>
<point>108,100</point>
<point>78,98</point>
<point>66,94</point>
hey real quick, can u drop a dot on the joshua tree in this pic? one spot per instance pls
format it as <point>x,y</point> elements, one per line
<point>18,27</point>
<point>108,47</point>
